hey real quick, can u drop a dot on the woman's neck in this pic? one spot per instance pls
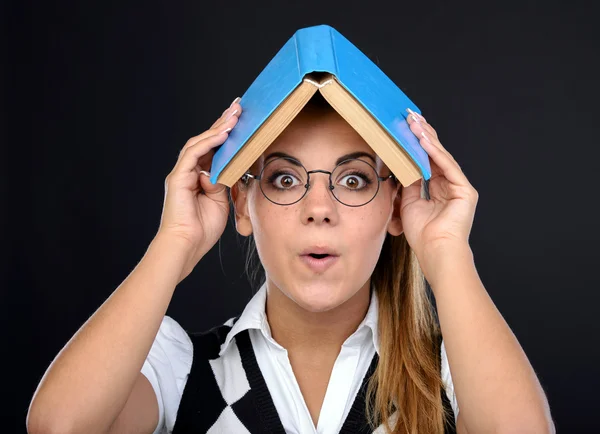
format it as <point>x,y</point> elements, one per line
<point>295,328</point>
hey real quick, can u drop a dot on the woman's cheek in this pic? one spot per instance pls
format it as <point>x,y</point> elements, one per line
<point>368,239</point>
<point>271,239</point>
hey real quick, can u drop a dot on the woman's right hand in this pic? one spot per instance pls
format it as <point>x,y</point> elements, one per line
<point>194,210</point>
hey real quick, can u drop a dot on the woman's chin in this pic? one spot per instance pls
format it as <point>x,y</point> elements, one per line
<point>320,298</point>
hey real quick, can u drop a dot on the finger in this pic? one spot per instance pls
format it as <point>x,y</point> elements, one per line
<point>420,120</point>
<point>419,116</point>
<point>209,188</point>
<point>439,145</point>
<point>229,119</point>
<point>234,111</point>
<point>418,128</point>
<point>188,159</point>
<point>227,110</point>
<point>435,139</point>
<point>229,123</point>
<point>232,107</point>
<point>450,169</point>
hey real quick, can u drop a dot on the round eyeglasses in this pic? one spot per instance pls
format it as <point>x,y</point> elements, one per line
<point>285,181</point>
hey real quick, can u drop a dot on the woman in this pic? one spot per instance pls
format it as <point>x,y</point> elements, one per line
<point>340,334</point>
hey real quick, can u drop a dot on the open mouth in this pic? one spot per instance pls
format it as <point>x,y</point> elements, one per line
<point>319,262</point>
<point>318,256</point>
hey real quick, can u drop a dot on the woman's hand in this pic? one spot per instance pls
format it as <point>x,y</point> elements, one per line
<point>444,222</point>
<point>194,210</point>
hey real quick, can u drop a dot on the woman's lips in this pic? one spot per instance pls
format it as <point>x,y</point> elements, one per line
<point>319,265</point>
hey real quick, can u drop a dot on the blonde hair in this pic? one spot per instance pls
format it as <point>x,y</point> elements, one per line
<point>408,374</point>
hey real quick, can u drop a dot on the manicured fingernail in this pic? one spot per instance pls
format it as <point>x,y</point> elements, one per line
<point>205,172</point>
<point>231,105</point>
<point>413,116</point>
<point>225,131</point>
<point>231,114</point>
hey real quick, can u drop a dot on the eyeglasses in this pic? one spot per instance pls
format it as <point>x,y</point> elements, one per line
<point>285,181</point>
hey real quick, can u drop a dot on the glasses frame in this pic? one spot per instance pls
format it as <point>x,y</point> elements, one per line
<point>247,176</point>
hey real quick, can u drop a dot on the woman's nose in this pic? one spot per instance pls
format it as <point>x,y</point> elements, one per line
<point>319,203</point>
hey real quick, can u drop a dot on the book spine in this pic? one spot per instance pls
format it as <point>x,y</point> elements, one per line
<point>316,51</point>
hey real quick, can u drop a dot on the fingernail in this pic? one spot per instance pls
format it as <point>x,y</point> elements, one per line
<point>426,138</point>
<point>231,105</point>
<point>416,115</point>
<point>231,114</point>
<point>413,116</point>
<point>205,172</point>
<point>225,131</point>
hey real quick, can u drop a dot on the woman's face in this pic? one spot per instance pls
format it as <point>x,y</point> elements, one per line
<point>283,233</point>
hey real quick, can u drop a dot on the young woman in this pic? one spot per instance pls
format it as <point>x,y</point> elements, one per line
<point>340,337</point>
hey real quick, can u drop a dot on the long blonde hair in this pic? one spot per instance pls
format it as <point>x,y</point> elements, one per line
<point>407,377</point>
<point>408,374</point>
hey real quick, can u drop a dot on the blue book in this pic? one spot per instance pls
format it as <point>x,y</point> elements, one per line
<point>320,59</point>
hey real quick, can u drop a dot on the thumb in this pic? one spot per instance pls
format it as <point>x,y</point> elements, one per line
<point>208,187</point>
<point>411,193</point>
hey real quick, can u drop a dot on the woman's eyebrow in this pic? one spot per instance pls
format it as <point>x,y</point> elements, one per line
<point>357,154</point>
<point>281,154</point>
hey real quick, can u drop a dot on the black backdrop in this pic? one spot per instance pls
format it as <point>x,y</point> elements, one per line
<point>100,98</point>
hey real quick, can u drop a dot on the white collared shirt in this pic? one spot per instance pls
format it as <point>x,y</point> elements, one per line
<point>170,359</point>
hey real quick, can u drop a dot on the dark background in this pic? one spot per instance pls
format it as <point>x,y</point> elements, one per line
<point>99,99</point>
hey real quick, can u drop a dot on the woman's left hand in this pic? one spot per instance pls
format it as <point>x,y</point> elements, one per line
<point>443,222</point>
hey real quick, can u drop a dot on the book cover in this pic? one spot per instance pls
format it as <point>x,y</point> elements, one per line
<point>323,49</point>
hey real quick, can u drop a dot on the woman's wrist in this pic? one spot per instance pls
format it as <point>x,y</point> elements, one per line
<point>169,252</point>
<point>444,261</point>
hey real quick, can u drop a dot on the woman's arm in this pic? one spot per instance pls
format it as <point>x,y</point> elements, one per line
<point>96,376</point>
<point>496,387</point>
<point>89,383</point>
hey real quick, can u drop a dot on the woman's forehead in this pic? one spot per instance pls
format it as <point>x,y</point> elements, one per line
<point>320,140</point>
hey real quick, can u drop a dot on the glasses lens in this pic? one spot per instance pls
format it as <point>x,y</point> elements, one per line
<point>283,181</point>
<point>355,182</point>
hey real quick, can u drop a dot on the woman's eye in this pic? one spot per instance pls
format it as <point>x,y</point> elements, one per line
<point>353,182</point>
<point>285,181</point>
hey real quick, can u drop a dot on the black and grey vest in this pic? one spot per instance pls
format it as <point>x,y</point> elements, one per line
<point>206,407</point>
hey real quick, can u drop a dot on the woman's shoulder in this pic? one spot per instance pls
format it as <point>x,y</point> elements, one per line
<point>174,346</point>
<point>173,341</point>
<point>172,333</point>
<point>169,364</point>
<point>167,367</point>
<point>172,351</point>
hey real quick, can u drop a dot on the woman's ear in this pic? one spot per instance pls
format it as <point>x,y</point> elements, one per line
<point>239,196</point>
<point>395,225</point>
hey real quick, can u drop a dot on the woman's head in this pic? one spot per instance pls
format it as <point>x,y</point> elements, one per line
<point>318,138</point>
<point>372,248</point>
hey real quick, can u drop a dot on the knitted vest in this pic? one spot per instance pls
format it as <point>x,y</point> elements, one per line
<point>212,404</point>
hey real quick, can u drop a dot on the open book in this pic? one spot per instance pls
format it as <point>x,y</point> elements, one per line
<point>320,59</point>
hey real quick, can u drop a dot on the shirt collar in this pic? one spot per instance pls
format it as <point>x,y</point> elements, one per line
<point>254,317</point>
